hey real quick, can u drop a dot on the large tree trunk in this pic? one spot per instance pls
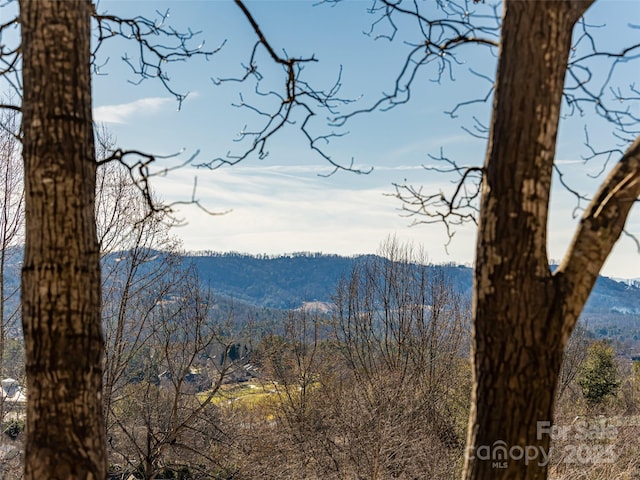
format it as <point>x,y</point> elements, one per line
<point>519,332</point>
<point>61,273</point>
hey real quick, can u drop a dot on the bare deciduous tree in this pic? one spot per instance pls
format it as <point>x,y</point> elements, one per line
<point>162,419</point>
<point>405,337</point>
<point>575,353</point>
<point>11,226</point>
<point>11,237</point>
<point>377,390</point>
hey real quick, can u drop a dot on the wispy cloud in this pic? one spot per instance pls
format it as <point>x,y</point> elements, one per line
<point>123,112</point>
<point>569,162</point>
<point>422,148</point>
<point>274,213</point>
<point>278,209</point>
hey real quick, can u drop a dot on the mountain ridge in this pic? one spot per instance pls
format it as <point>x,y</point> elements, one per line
<point>287,281</point>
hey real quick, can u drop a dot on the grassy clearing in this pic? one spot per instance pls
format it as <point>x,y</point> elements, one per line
<point>249,394</point>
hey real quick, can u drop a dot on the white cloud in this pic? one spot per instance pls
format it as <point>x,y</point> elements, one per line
<point>274,213</point>
<point>281,209</point>
<point>569,162</point>
<point>123,112</point>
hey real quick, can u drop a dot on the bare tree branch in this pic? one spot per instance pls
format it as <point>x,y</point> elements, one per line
<point>438,38</point>
<point>138,164</point>
<point>583,89</point>
<point>153,55</point>
<point>10,58</point>
<point>599,229</point>
<point>454,209</point>
<point>460,23</point>
<point>297,96</point>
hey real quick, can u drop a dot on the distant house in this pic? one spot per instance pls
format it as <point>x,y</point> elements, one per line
<point>12,392</point>
<point>194,377</point>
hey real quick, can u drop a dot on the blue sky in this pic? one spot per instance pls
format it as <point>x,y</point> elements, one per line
<point>283,203</point>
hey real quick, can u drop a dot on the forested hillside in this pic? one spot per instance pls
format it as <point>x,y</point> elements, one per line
<point>278,282</point>
<point>290,281</point>
<point>287,281</point>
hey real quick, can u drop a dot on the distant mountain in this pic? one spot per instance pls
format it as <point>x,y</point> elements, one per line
<point>308,281</point>
<point>611,295</point>
<point>258,285</point>
<point>288,281</point>
<point>284,282</point>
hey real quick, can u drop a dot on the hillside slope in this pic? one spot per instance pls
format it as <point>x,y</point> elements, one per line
<point>288,281</point>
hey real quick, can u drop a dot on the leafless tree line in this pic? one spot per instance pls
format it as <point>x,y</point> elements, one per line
<point>378,389</point>
<point>167,347</point>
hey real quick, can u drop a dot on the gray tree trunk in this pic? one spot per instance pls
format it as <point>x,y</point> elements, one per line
<point>518,323</point>
<point>61,273</point>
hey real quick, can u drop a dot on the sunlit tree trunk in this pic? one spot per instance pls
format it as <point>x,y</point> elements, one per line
<point>519,328</point>
<point>61,272</point>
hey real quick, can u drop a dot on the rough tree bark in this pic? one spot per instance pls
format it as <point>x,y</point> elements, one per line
<point>524,314</point>
<point>61,272</point>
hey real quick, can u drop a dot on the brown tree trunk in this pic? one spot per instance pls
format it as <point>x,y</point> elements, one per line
<point>518,309</point>
<point>61,272</point>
